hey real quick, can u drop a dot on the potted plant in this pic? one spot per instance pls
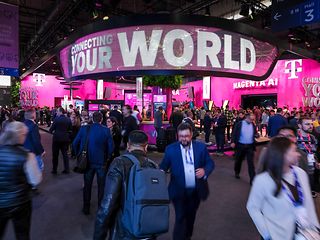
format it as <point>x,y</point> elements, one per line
<point>167,83</point>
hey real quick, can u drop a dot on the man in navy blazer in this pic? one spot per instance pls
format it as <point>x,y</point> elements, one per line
<point>100,148</point>
<point>276,122</point>
<point>33,139</point>
<point>190,165</point>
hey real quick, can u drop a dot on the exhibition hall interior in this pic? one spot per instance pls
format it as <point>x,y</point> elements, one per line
<point>160,119</point>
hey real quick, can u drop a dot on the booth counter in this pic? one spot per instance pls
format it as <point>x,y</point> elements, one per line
<point>148,128</point>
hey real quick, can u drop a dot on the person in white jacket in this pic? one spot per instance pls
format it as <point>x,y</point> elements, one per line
<point>280,196</point>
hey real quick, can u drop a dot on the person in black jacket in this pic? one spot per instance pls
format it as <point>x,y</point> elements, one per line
<point>18,170</point>
<point>109,216</point>
<point>61,129</point>
<point>112,124</point>
<point>220,129</point>
<point>129,123</point>
<point>207,123</point>
<point>117,114</point>
<point>176,118</point>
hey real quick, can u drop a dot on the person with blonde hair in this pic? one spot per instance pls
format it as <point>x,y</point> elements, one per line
<point>18,170</point>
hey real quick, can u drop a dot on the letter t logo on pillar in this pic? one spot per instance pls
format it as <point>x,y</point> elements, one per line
<point>293,67</point>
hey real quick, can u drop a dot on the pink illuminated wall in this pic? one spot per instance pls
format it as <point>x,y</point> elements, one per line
<point>288,73</point>
<point>290,90</point>
<point>183,93</point>
<point>52,88</point>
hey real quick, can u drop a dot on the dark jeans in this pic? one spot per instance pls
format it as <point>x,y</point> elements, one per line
<point>56,147</point>
<point>207,134</point>
<point>21,218</point>
<point>228,132</point>
<point>242,151</point>
<point>185,210</point>
<point>314,180</point>
<point>88,179</point>
<point>220,139</point>
<point>157,130</point>
<point>201,124</point>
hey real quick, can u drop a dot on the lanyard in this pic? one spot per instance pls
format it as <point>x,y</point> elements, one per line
<point>308,148</point>
<point>188,156</point>
<point>299,188</point>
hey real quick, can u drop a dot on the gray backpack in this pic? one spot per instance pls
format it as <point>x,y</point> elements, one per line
<point>146,207</point>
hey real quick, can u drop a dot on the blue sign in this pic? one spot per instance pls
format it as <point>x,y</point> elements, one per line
<point>298,15</point>
<point>14,72</point>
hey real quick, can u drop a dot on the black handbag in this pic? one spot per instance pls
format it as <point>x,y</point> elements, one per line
<point>203,189</point>
<point>82,159</point>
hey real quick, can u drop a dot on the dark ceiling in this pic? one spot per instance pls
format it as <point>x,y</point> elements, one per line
<point>45,23</point>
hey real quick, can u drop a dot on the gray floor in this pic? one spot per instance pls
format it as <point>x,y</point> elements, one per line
<point>57,209</point>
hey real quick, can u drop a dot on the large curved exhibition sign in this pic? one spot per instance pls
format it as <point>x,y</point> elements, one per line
<point>176,45</point>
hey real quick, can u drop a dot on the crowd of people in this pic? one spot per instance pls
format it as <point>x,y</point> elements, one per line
<point>282,182</point>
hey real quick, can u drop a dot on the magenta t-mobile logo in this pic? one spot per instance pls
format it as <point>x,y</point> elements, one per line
<point>292,67</point>
<point>39,78</point>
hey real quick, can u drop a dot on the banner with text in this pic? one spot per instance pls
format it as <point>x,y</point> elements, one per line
<point>9,39</point>
<point>167,47</point>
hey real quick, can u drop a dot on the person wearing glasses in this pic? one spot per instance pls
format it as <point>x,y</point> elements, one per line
<point>308,143</point>
<point>191,159</point>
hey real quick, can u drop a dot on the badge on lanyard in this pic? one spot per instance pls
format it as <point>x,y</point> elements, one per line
<point>311,159</point>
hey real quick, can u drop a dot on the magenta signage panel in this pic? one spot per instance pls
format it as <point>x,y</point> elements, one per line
<point>167,47</point>
<point>160,98</point>
<point>9,36</point>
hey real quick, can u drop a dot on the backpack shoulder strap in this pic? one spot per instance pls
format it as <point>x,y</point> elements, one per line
<point>132,158</point>
<point>152,163</point>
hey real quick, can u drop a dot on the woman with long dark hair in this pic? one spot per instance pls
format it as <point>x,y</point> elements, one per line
<point>280,198</point>
<point>113,125</point>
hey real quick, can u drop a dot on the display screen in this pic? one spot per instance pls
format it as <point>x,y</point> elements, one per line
<point>160,98</point>
<point>132,100</point>
<point>167,47</point>
<point>93,107</point>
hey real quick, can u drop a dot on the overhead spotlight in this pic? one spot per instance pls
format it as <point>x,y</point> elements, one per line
<point>244,10</point>
<point>208,13</point>
<point>23,69</point>
<point>105,18</point>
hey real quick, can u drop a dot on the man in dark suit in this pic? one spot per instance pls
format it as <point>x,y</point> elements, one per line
<point>100,147</point>
<point>190,165</point>
<point>220,129</point>
<point>61,129</point>
<point>276,122</point>
<point>33,139</point>
<point>243,141</point>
